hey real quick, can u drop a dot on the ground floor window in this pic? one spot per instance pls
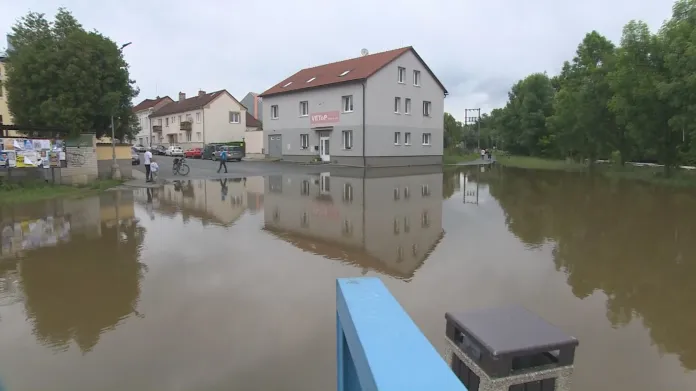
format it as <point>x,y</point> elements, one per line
<point>407,138</point>
<point>397,138</point>
<point>426,138</point>
<point>304,141</point>
<point>347,139</point>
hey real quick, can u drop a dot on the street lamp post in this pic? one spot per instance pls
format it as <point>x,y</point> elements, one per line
<point>115,168</point>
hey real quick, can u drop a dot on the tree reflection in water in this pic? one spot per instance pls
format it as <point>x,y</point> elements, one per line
<point>78,290</point>
<point>633,241</point>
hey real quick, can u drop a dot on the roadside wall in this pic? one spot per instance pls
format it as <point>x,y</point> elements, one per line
<point>105,161</point>
<point>254,144</point>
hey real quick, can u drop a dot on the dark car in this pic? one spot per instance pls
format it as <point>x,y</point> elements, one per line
<point>159,150</point>
<point>209,150</point>
<point>234,153</point>
<point>135,158</point>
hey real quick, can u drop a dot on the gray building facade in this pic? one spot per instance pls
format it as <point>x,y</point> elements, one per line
<point>252,102</point>
<point>391,113</point>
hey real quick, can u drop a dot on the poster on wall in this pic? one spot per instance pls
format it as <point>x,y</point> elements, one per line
<point>53,159</point>
<point>11,157</point>
<point>20,159</point>
<point>8,144</point>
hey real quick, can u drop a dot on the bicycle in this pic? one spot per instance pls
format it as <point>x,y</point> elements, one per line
<point>180,167</point>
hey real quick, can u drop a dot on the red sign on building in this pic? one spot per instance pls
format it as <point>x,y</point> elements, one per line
<point>327,117</point>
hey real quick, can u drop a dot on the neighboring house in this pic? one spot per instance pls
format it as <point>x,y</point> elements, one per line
<point>384,109</point>
<point>252,102</point>
<point>143,110</point>
<point>5,116</point>
<point>386,223</point>
<point>253,138</point>
<point>215,117</point>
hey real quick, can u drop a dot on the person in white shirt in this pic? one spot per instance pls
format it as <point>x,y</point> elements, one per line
<point>147,156</point>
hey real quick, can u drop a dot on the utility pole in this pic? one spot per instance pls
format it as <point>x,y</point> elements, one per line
<point>474,119</point>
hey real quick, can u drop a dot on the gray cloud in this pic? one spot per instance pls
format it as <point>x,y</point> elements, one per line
<point>478,49</point>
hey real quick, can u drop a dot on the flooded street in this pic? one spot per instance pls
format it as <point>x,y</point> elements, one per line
<point>230,284</point>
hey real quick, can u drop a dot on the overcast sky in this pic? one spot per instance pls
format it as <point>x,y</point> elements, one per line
<point>476,48</point>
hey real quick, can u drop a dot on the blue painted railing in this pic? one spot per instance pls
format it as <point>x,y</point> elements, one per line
<point>379,348</point>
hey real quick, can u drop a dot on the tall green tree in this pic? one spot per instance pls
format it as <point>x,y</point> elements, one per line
<point>581,120</point>
<point>677,66</point>
<point>60,75</point>
<point>635,102</point>
<point>524,121</point>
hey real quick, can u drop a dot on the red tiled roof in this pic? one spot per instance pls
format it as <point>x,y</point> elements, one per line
<point>148,103</point>
<point>193,103</point>
<point>359,68</point>
<point>251,121</point>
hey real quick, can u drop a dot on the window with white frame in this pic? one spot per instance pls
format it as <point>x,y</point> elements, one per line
<point>235,117</point>
<point>347,193</point>
<point>159,121</point>
<point>274,112</point>
<point>407,192</point>
<point>304,108</point>
<point>425,190</point>
<point>416,78</point>
<point>425,219</point>
<point>426,108</point>
<point>407,138</point>
<point>179,119</point>
<point>198,118</point>
<point>304,141</point>
<point>166,121</point>
<point>347,136</point>
<point>407,106</point>
<point>397,229</point>
<point>305,188</point>
<point>397,105</point>
<point>188,136</point>
<point>401,76</point>
<point>426,138</point>
<point>397,138</point>
<point>397,193</point>
<point>347,103</point>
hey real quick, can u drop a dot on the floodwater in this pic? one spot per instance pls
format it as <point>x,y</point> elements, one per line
<point>230,285</point>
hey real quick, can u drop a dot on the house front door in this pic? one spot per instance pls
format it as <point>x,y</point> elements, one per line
<point>324,153</point>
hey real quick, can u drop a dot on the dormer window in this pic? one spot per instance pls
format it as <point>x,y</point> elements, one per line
<point>344,73</point>
<point>287,84</point>
<point>311,80</point>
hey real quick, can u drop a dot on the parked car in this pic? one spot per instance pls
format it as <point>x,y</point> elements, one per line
<point>209,150</point>
<point>135,158</point>
<point>194,153</point>
<point>159,150</point>
<point>139,148</point>
<point>233,153</point>
<point>174,150</point>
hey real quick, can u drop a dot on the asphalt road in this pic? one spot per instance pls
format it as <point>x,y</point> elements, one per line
<point>207,169</point>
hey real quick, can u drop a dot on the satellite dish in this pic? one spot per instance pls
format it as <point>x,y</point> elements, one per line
<point>364,52</point>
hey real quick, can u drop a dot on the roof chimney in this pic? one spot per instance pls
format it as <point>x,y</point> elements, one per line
<point>201,92</point>
<point>182,96</point>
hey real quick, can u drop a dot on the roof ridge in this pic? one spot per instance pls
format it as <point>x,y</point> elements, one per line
<point>357,57</point>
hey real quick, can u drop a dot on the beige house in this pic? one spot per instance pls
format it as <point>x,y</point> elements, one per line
<point>5,116</point>
<point>215,117</point>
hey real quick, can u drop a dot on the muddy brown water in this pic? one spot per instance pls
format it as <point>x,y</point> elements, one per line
<point>210,285</point>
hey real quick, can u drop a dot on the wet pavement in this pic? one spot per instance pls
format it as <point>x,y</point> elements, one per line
<point>228,284</point>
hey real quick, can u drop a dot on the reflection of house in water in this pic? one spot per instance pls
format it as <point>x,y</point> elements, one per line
<point>387,223</point>
<point>254,191</point>
<point>77,279</point>
<point>220,201</point>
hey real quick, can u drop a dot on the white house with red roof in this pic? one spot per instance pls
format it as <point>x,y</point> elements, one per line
<point>379,110</point>
<point>143,110</point>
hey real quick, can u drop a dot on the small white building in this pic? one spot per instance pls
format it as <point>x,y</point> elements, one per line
<point>142,111</point>
<point>215,117</point>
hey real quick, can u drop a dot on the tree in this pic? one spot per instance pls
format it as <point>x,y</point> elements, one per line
<point>635,101</point>
<point>582,121</point>
<point>676,64</point>
<point>524,129</point>
<point>453,130</point>
<point>59,75</point>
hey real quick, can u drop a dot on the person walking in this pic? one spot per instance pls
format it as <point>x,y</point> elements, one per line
<point>483,154</point>
<point>223,160</point>
<point>147,157</point>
